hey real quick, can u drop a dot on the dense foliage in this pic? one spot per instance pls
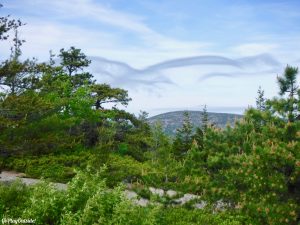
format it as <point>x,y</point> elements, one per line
<point>59,124</point>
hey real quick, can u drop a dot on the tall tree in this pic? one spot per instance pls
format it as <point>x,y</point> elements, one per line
<point>288,105</point>
<point>288,85</point>
<point>288,82</point>
<point>15,75</point>
<point>73,62</point>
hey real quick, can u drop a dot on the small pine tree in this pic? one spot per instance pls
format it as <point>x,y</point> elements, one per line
<point>159,138</point>
<point>260,100</point>
<point>199,138</point>
<point>183,140</point>
<point>204,119</point>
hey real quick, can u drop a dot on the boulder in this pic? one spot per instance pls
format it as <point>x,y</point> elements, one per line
<point>171,193</point>
<point>156,191</point>
<point>130,194</point>
<point>200,205</point>
<point>186,198</point>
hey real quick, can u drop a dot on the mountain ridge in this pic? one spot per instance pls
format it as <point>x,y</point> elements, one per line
<point>171,121</point>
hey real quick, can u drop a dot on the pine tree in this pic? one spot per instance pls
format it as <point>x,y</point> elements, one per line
<point>16,75</point>
<point>260,100</point>
<point>183,140</point>
<point>198,137</point>
<point>73,62</point>
<point>288,86</point>
<point>204,119</point>
<point>288,82</point>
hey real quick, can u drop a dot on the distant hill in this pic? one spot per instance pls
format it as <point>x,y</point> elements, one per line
<point>172,120</point>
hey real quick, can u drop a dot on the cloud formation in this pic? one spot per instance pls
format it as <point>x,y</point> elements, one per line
<point>235,74</point>
<point>192,61</point>
<point>120,73</point>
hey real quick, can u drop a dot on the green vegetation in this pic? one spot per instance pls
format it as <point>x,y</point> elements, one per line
<point>55,124</point>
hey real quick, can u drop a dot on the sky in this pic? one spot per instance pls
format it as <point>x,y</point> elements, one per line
<point>169,54</point>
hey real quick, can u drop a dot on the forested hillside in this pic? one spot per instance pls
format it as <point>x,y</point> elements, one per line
<point>171,121</point>
<point>56,125</point>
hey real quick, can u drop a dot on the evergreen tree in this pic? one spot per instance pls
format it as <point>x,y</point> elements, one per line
<point>159,138</point>
<point>17,76</point>
<point>105,94</point>
<point>287,106</point>
<point>73,61</point>
<point>198,137</point>
<point>183,140</point>
<point>260,100</point>
<point>193,160</point>
<point>204,119</point>
<point>288,85</point>
<point>288,82</point>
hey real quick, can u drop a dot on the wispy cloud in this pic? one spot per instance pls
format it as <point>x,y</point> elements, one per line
<point>95,11</point>
<point>122,73</point>
<point>99,15</point>
<point>257,65</point>
<point>236,74</point>
<point>190,61</point>
<point>80,9</point>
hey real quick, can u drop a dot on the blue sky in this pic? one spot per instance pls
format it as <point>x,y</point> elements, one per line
<point>170,54</point>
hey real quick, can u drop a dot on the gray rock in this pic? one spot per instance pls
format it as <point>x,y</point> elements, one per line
<point>130,194</point>
<point>159,192</point>
<point>141,202</point>
<point>220,205</point>
<point>200,205</point>
<point>171,193</point>
<point>11,176</point>
<point>128,185</point>
<point>186,198</point>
